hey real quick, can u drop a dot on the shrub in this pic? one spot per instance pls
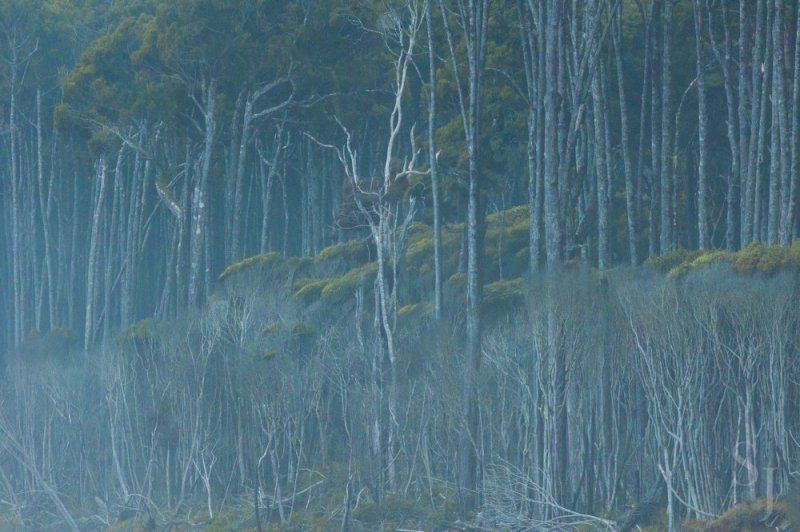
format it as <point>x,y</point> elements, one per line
<point>342,287</point>
<point>236,267</point>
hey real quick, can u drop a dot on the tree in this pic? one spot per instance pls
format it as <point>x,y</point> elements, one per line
<point>434,163</point>
<point>380,210</point>
<point>472,17</point>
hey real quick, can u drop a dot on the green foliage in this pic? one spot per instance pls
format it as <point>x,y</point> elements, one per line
<point>309,289</point>
<point>408,310</point>
<point>270,328</point>
<point>348,253</point>
<point>664,263</point>
<point>103,93</point>
<point>344,286</point>
<point>419,253</point>
<point>303,330</point>
<point>506,241</point>
<point>756,258</point>
<point>457,280</point>
<point>391,511</point>
<point>415,310</point>
<point>656,521</point>
<point>701,260</point>
<point>504,292</point>
<point>134,523</point>
<point>236,267</point>
<point>54,345</point>
<point>141,330</point>
<point>746,516</point>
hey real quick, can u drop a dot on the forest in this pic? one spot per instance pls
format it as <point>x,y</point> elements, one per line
<point>399,265</point>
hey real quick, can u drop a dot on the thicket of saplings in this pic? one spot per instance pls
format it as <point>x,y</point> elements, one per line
<point>277,394</point>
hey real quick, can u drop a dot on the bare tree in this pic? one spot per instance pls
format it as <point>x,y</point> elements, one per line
<point>249,117</point>
<point>380,212</point>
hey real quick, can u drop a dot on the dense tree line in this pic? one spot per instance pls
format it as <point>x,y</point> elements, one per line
<point>147,146</point>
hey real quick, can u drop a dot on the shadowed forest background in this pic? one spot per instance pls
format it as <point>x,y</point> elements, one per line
<point>380,264</point>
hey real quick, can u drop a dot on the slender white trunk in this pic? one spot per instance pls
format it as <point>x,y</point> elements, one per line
<point>91,269</point>
<point>200,201</point>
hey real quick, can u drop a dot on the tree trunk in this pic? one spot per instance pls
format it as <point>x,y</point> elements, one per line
<point>784,178</point>
<point>434,169</point>
<point>630,190</point>
<point>667,206</point>
<point>474,18</point>
<point>552,220</point>
<point>198,241</point>
<point>778,128</point>
<point>655,145</point>
<point>757,110</point>
<point>647,20</point>
<point>702,186</point>
<point>45,208</point>
<point>18,279</point>
<point>598,115</point>
<point>732,198</point>
<point>91,268</point>
<point>789,210</point>
<point>746,130</point>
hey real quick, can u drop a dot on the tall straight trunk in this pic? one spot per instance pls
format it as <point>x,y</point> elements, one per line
<point>630,190</point>
<point>702,185</point>
<point>732,197</point>
<point>7,320</point>
<point>45,208</point>
<point>778,129</point>
<point>200,201</point>
<point>558,144</point>
<point>72,258</point>
<point>787,152</point>
<point>139,187</point>
<point>746,94</point>
<point>16,214</point>
<point>759,212</point>
<point>231,168</point>
<point>315,178</point>
<point>552,218</point>
<point>434,167</point>
<point>91,268</point>
<point>567,128</point>
<point>598,101</point>
<point>305,202</point>
<point>475,40</point>
<point>667,207</point>
<point>541,18</point>
<point>268,168</point>
<point>285,207</point>
<point>647,20</point>
<point>534,13</point>
<point>750,198</point>
<point>789,210</point>
<point>238,184</point>
<point>184,234</point>
<point>655,147</point>
<point>761,73</point>
<point>111,246</point>
<point>528,39</point>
